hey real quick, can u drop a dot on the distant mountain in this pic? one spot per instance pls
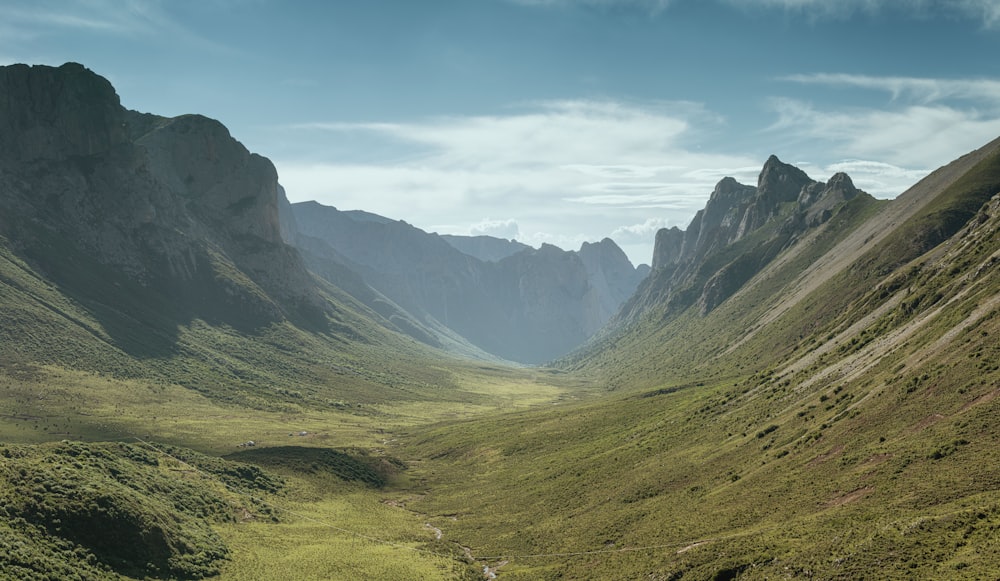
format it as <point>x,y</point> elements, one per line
<point>528,306</point>
<point>485,248</point>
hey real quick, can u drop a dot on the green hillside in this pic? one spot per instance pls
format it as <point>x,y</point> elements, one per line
<point>853,435</point>
<point>180,398</point>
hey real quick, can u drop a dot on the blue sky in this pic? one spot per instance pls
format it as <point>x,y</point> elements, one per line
<point>557,121</point>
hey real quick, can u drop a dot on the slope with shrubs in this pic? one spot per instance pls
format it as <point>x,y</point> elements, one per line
<point>847,432</point>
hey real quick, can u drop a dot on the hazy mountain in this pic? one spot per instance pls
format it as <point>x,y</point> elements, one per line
<point>486,248</point>
<point>529,306</point>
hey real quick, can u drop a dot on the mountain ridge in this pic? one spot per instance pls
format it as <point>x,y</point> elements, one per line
<point>529,305</point>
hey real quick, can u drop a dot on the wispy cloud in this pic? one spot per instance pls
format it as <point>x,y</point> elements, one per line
<point>985,11</point>
<point>925,90</point>
<point>145,20</point>
<point>911,136</point>
<point>125,18</point>
<point>926,122</point>
<point>553,169</point>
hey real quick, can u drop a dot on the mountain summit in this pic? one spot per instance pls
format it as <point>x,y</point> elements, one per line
<point>741,229</point>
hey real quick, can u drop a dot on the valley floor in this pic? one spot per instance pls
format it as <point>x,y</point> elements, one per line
<point>554,479</point>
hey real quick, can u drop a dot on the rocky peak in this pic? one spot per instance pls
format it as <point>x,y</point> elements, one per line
<point>605,259</point>
<point>56,113</point>
<point>842,183</point>
<point>733,212</point>
<point>818,201</point>
<point>223,181</point>
<point>780,182</point>
<point>605,250</point>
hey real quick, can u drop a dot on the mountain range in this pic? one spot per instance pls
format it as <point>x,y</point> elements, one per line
<point>804,383</point>
<point>509,300</point>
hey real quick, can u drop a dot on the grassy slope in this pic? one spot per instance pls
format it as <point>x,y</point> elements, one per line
<point>854,433</point>
<point>87,355</point>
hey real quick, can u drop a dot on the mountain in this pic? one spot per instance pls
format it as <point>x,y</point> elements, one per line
<point>738,233</point>
<point>528,306</point>
<point>131,243</point>
<point>485,248</point>
<point>828,412</point>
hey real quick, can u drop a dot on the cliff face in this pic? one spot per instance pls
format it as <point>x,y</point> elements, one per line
<point>528,306</point>
<point>740,230</point>
<point>176,204</point>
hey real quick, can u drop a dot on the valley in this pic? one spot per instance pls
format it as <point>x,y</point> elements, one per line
<point>803,385</point>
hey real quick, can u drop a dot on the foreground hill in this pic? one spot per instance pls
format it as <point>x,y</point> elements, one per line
<point>514,302</point>
<point>803,399</point>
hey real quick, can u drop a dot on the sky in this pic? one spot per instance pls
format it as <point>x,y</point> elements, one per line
<point>548,121</point>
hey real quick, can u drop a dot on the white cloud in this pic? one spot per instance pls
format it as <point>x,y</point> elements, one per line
<point>917,136</point>
<point>557,151</point>
<point>882,180</point>
<point>639,232</point>
<point>498,228</point>
<point>565,172</point>
<point>926,123</point>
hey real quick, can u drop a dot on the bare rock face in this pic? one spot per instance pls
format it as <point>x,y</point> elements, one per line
<point>57,113</point>
<point>176,204</point>
<point>668,247</point>
<point>699,266</point>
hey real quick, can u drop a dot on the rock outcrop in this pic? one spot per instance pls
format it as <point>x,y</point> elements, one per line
<point>740,230</point>
<point>175,203</point>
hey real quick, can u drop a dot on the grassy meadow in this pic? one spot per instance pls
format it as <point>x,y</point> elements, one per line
<point>324,521</point>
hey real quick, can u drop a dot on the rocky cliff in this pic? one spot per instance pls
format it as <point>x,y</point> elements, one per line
<point>741,229</point>
<point>176,204</point>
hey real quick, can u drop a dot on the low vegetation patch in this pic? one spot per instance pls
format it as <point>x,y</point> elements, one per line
<point>118,508</point>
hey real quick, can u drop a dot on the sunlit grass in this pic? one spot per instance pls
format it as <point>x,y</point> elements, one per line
<point>351,535</point>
